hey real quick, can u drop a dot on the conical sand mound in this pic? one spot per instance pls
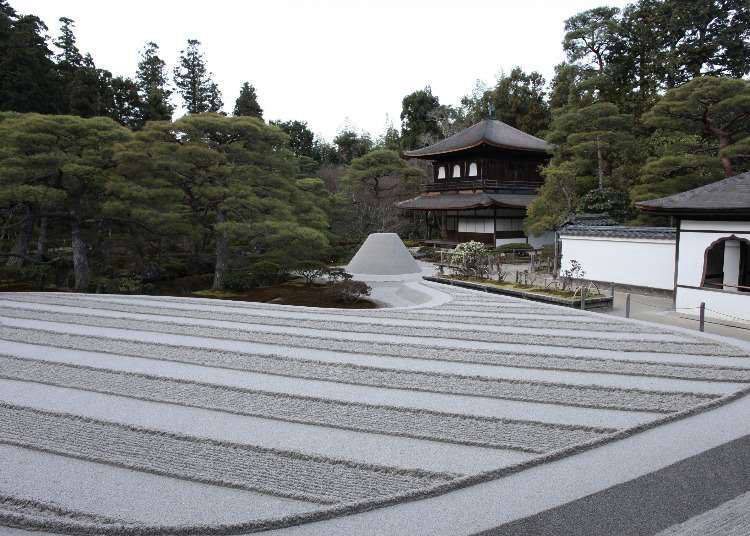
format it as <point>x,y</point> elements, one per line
<point>383,254</point>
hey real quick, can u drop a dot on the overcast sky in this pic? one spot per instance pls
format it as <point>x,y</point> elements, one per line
<point>326,61</point>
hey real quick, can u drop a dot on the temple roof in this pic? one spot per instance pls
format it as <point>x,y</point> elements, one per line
<point>467,201</point>
<point>728,196</point>
<point>487,132</point>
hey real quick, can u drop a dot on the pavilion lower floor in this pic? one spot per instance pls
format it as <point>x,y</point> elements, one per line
<point>493,227</point>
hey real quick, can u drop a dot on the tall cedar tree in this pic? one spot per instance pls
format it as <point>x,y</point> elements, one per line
<point>153,86</point>
<point>247,103</point>
<point>194,83</point>
<point>61,166</point>
<point>28,80</point>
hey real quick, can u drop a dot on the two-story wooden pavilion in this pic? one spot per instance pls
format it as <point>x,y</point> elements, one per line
<point>483,178</point>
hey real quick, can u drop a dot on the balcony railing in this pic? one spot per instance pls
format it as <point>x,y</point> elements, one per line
<point>443,185</point>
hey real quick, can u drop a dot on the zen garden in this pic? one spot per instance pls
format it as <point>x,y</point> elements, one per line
<point>521,309</point>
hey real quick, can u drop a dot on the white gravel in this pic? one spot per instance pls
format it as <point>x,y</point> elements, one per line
<point>279,415</point>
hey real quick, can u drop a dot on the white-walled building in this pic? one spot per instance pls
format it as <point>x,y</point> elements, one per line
<point>712,255</point>
<point>633,256</point>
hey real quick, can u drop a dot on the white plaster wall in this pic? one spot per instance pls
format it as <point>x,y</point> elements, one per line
<point>726,306</point>
<point>626,261</point>
<point>692,251</point>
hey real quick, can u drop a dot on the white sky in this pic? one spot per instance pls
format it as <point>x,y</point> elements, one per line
<point>326,61</point>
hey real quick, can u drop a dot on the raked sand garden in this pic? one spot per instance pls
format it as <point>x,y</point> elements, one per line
<point>139,415</point>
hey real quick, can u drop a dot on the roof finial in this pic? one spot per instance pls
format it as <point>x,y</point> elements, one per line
<point>490,110</point>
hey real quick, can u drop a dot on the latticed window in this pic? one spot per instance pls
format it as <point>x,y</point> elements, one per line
<point>456,171</point>
<point>441,172</point>
<point>473,169</point>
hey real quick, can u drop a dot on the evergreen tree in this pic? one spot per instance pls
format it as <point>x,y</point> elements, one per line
<point>517,99</point>
<point>194,83</point>
<point>234,184</point>
<point>63,161</point>
<point>350,145</point>
<point>247,103</point>
<point>153,87</point>
<point>375,181</point>
<point>594,150</point>
<point>700,126</point>
<point>419,126</point>
<point>84,86</point>
<point>28,80</point>
<point>120,100</point>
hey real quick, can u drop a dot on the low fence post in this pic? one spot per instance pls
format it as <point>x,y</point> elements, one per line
<point>583,298</point>
<point>627,305</point>
<point>702,316</point>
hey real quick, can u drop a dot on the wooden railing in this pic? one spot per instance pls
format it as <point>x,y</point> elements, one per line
<point>442,185</point>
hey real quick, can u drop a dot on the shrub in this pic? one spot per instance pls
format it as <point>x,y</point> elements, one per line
<point>574,272</point>
<point>471,259</point>
<point>239,281</point>
<point>311,270</point>
<point>513,246</point>
<point>349,291</point>
<point>411,243</point>
<point>266,273</point>
<point>336,275</point>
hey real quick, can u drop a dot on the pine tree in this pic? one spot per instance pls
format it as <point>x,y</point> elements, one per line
<point>194,83</point>
<point>153,86</point>
<point>247,103</point>
<point>66,162</point>
<point>419,127</point>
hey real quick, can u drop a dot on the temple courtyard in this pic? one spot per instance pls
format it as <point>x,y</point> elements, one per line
<point>456,412</point>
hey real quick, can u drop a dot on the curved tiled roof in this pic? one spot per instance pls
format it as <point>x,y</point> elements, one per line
<point>618,231</point>
<point>489,132</point>
<point>467,201</point>
<point>729,195</point>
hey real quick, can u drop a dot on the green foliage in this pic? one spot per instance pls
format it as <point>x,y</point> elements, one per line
<point>418,124</point>
<point>614,203</point>
<point>61,165</point>
<point>513,246</point>
<point>153,85</point>
<point>311,270</point>
<point>194,83</point>
<point>351,145</point>
<point>518,99</point>
<point>267,273</point>
<point>28,79</point>
<point>247,103</point>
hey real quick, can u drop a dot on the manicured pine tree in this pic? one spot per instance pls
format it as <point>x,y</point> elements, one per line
<point>247,103</point>
<point>62,162</point>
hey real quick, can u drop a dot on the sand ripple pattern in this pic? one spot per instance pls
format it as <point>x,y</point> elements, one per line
<point>421,424</point>
<point>282,473</point>
<point>694,348</point>
<point>253,316</point>
<point>286,366</point>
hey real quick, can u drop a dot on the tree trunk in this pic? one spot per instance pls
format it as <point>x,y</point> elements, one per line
<point>726,163</point>
<point>600,162</point>
<point>41,242</point>
<point>80,257</point>
<point>21,247</point>
<point>222,256</point>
